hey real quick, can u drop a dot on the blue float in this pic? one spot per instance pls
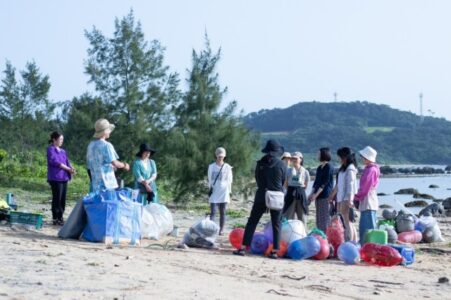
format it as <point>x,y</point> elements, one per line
<point>348,253</point>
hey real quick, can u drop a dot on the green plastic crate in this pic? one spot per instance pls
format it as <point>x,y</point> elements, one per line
<point>17,217</point>
<point>386,222</point>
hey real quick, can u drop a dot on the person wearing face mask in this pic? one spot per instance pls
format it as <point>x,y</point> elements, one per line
<point>59,172</point>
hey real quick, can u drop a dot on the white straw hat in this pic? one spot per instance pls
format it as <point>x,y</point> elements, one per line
<point>369,153</point>
<point>102,126</point>
<point>297,154</point>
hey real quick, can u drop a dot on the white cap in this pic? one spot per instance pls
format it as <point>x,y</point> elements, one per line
<point>286,154</point>
<point>220,151</point>
<point>297,154</point>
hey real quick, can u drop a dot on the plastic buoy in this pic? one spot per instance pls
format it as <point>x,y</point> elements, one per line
<point>348,253</point>
<point>259,243</point>
<point>236,237</point>
<point>304,248</point>
<point>411,237</point>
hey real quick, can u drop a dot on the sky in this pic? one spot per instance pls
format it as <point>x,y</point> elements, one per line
<point>274,53</point>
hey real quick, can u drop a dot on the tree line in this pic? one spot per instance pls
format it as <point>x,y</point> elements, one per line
<point>138,92</point>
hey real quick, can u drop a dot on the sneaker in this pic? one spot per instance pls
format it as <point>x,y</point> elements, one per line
<point>240,252</point>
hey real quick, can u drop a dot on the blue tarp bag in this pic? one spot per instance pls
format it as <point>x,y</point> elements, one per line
<point>112,218</point>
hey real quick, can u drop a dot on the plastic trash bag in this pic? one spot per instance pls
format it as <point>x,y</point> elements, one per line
<point>112,218</point>
<point>430,229</point>
<point>292,230</point>
<point>202,234</point>
<point>75,224</point>
<point>156,221</point>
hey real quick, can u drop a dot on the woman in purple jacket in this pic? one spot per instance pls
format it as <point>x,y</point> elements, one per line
<point>59,172</point>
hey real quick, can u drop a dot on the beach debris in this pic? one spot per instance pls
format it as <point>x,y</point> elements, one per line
<point>386,282</point>
<point>389,214</point>
<point>434,209</point>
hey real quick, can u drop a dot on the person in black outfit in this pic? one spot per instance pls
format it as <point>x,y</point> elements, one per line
<point>270,175</point>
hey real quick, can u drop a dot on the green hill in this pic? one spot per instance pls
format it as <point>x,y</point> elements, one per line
<point>399,136</point>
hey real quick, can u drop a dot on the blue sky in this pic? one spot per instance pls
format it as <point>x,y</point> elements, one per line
<point>274,53</point>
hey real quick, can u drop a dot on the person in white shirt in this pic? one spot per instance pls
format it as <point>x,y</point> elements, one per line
<point>345,189</point>
<point>220,179</point>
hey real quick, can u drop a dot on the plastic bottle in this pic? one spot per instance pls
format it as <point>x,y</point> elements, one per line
<point>380,255</point>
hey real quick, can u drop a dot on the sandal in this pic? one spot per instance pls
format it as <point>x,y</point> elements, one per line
<point>240,252</point>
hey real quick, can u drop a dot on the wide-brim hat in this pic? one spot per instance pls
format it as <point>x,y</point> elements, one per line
<point>101,127</point>
<point>145,148</point>
<point>273,146</point>
<point>369,153</point>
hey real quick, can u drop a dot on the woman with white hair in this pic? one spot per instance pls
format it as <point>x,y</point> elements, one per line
<point>220,183</point>
<point>102,158</point>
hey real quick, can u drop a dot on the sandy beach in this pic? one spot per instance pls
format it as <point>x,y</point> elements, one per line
<point>38,265</point>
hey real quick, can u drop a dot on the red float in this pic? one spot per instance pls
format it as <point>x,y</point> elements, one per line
<point>380,255</point>
<point>325,248</point>
<point>411,237</point>
<point>236,237</point>
<point>335,233</point>
<point>282,249</point>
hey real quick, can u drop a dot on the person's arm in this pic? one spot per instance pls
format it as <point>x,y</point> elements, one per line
<point>113,158</point>
<point>230,177</point>
<point>52,158</point>
<point>332,194</point>
<point>257,178</point>
<point>120,165</point>
<point>209,174</point>
<point>306,178</point>
<point>153,175</point>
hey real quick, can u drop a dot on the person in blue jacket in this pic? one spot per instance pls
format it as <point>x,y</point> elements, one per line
<point>145,172</point>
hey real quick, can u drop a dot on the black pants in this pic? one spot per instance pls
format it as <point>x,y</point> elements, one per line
<point>59,189</point>
<point>222,209</point>
<point>258,209</point>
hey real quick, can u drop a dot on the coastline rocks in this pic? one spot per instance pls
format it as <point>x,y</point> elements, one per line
<point>433,186</point>
<point>385,206</point>
<point>382,194</point>
<point>434,209</point>
<point>447,203</point>
<point>417,203</point>
<point>423,196</point>
<point>409,191</point>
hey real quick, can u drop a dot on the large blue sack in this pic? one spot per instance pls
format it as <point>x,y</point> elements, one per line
<point>112,218</point>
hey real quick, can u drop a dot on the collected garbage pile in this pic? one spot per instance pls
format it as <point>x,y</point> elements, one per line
<point>9,213</point>
<point>389,245</point>
<point>114,217</point>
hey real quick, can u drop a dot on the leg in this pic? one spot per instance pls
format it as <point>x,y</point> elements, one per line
<point>63,200</point>
<point>367,222</point>
<point>322,214</point>
<point>257,211</point>
<point>343,209</point>
<point>275,220</point>
<point>222,212</point>
<point>289,211</point>
<point>300,213</point>
<point>54,187</point>
<point>212,211</point>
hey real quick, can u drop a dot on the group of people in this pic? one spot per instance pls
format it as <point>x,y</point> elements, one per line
<point>275,171</point>
<point>286,174</point>
<point>102,161</point>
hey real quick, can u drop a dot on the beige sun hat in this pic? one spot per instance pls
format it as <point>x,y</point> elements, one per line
<point>369,153</point>
<point>220,152</point>
<point>102,126</point>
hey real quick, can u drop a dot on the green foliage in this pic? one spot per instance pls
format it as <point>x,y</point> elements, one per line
<point>399,137</point>
<point>201,127</point>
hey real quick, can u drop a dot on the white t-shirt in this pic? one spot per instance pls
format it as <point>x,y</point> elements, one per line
<point>347,184</point>
<point>297,177</point>
<point>223,186</point>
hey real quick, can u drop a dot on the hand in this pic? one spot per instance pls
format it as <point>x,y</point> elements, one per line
<point>350,204</point>
<point>148,188</point>
<point>73,171</point>
<point>330,200</point>
<point>126,166</point>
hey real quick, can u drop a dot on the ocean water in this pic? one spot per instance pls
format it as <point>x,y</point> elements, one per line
<point>390,185</point>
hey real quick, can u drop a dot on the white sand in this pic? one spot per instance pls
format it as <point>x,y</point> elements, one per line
<point>38,265</point>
